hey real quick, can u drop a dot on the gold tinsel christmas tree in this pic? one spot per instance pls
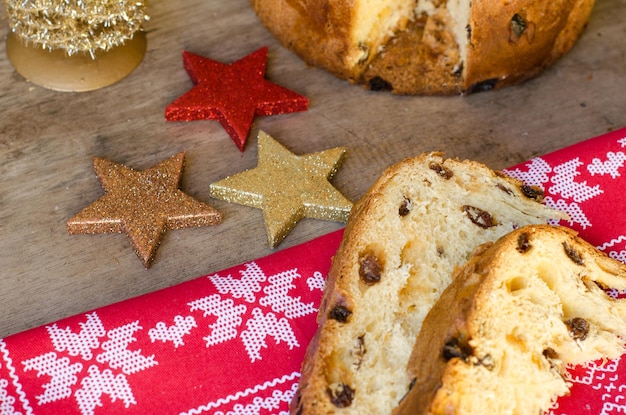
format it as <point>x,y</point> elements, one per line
<point>75,45</point>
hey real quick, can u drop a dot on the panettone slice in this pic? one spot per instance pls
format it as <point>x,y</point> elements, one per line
<point>499,339</point>
<point>421,218</point>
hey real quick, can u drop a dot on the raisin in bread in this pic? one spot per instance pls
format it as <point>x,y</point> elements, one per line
<point>420,219</point>
<point>427,46</point>
<point>499,339</point>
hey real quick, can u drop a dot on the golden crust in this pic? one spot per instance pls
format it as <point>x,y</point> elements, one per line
<point>515,41</point>
<point>316,30</point>
<point>509,43</point>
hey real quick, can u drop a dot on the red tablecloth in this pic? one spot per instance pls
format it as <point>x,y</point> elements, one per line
<point>232,342</point>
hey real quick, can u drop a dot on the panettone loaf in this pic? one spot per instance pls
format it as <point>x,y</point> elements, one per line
<point>427,46</point>
<point>499,339</point>
<point>419,220</point>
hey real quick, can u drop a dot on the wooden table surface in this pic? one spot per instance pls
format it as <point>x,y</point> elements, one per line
<point>48,140</point>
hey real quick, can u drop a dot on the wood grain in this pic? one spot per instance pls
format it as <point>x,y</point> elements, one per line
<point>48,140</point>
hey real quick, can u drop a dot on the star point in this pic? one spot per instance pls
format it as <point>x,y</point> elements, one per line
<point>232,94</point>
<point>287,187</point>
<point>142,204</point>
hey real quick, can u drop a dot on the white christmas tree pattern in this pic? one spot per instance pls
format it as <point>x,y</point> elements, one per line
<point>111,352</point>
<point>273,293</point>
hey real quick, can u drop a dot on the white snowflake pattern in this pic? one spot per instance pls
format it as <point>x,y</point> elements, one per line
<point>262,325</point>
<point>565,184</point>
<point>63,374</point>
<point>81,343</point>
<point>246,286</point>
<point>102,383</point>
<point>116,353</point>
<point>274,295</point>
<point>278,299</point>
<point>228,317</point>
<point>575,213</point>
<point>537,174</point>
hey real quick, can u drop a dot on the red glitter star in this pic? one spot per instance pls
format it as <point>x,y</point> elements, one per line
<point>232,94</point>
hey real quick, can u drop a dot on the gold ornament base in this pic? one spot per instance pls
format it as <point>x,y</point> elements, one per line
<point>76,73</point>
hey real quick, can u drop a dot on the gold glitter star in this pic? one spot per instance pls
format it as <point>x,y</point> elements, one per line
<point>287,187</point>
<point>142,204</point>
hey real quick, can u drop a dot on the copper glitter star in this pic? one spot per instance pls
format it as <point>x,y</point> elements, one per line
<point>232,94</point>
<point>142,204</point>
<point>287,187</point>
